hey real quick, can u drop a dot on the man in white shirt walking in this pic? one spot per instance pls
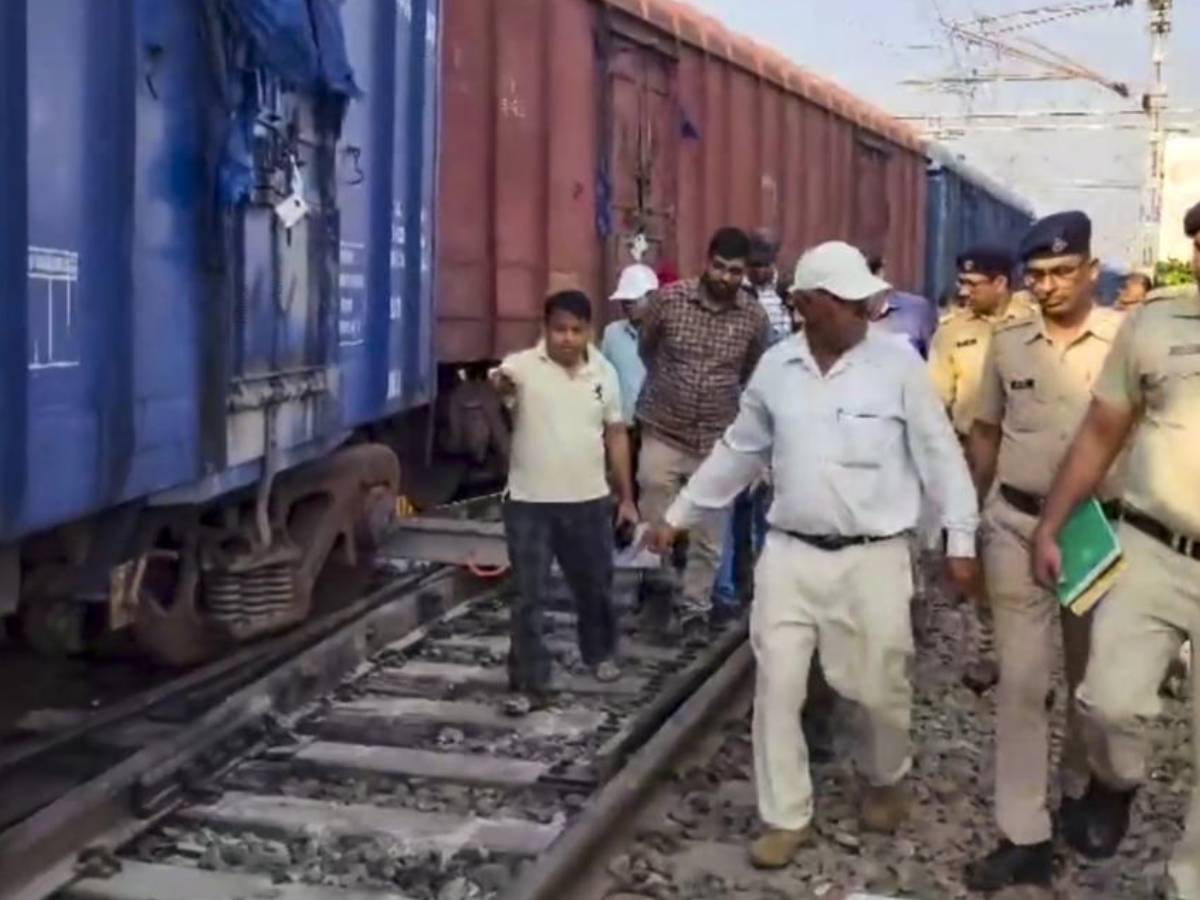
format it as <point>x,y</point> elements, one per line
<point>567,420</point>
<point>855,433</point>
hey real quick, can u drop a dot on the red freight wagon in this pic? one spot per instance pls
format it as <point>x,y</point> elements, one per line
<point>570,125</point>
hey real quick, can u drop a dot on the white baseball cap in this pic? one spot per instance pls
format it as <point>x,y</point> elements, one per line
<point>635,283</point>
<point>840,269</point>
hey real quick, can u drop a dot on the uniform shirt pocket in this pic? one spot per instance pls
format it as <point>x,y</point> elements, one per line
<point>1181,389</point>
<point>1026,399</point>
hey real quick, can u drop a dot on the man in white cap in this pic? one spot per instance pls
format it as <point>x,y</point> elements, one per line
<point>620,342</point>
<point>853,430</point>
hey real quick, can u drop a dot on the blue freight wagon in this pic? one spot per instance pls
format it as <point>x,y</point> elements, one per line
<point>216,266</point>
<point>965,207</point>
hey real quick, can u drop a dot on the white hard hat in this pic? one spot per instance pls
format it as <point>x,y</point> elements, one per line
<point>635,283</point>
<point>839,269</point>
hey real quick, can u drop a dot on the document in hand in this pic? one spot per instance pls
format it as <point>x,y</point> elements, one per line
<point>635,556</point>
<point>1091,558</point>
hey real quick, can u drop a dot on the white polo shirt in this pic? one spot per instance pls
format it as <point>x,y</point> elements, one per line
<point>558,426</point>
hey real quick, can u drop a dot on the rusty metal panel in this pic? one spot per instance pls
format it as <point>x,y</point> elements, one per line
<point>575,255</point>
<point>690,218</point>
<point>466,300</point>
<point>742,114</point>
<point>715,135</point>
<point>570,124</point>
<point>794,177</point>
<point>643,148</point>
<point>522,148</point>
<point>771,154</point>
<point>870,195</point>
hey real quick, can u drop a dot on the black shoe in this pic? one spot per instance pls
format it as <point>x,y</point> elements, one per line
<point>1095,824</point>
<point>981,675</point>
<point>1012,864</point>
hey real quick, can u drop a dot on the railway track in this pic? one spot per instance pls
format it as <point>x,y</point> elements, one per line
<point>368,757</point>
<point>685,838</point>
<point>107,774</point>
<point>377,764</point>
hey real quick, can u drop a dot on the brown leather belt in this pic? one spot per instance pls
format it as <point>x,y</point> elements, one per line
<point>834,542</point>
<point>1032,504</point>
<point>1183,544</point>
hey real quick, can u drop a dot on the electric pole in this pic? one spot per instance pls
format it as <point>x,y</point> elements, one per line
<point>1156,106</point>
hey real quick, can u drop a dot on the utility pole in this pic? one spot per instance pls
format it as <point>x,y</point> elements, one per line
<point>1155,103</point>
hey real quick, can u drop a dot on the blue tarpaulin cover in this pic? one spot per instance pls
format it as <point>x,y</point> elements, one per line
<point>300,42</point>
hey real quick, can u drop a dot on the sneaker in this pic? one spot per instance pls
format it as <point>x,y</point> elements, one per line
<point>607,671</point>
<point>882,809</point>
<point>775,848</point>
<point>1012,864</point>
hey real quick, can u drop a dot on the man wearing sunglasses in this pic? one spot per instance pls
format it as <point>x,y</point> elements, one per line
<point>1036,387</point>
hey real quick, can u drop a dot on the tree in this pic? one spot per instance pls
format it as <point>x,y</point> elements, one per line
<point>1172,272</point>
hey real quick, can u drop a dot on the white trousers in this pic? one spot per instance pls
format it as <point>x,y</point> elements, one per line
<point>852,605</point>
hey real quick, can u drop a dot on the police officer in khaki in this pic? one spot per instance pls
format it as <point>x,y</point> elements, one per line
<point>956,359</point>
<point>1036,386</point>
<point>1147,400</point>
<point>960,344</point>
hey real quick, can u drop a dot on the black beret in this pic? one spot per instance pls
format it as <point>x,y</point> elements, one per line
<point>1191,222</point>
<point>1058,235</point>
<point>990,261</point>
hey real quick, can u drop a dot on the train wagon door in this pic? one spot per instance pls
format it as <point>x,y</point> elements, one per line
<point>286,301</point>
<point>872,215</point>
<point>643,145</point>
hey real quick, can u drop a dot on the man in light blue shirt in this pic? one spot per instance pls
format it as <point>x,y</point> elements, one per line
<point>909,315</point>
<point>620,342</point>
<point>855,434</point>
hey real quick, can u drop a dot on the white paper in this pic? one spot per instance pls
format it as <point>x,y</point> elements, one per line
<point>634,558</point>
<point>291,210</point>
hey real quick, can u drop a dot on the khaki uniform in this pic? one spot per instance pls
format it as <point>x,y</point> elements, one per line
<point>957,354</point>
<point>1038,393</point>
<point>956,360</point>
<point>1154,369</point>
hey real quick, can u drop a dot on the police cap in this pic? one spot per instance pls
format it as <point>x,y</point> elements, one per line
<point>986,260</point>
<point>1061,234</point>
<point>1191,222</point>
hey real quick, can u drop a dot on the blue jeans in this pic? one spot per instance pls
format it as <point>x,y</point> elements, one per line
<point>744,537</point>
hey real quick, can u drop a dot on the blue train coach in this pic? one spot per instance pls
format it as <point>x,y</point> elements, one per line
<point>965,207</point>
<point>215,267</point>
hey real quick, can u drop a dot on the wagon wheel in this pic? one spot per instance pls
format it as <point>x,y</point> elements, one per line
<point>169,626</point>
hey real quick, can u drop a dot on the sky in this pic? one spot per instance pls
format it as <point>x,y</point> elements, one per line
<point>872,46</point>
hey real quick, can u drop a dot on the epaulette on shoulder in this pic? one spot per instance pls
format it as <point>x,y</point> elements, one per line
<point>1014,324</point>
